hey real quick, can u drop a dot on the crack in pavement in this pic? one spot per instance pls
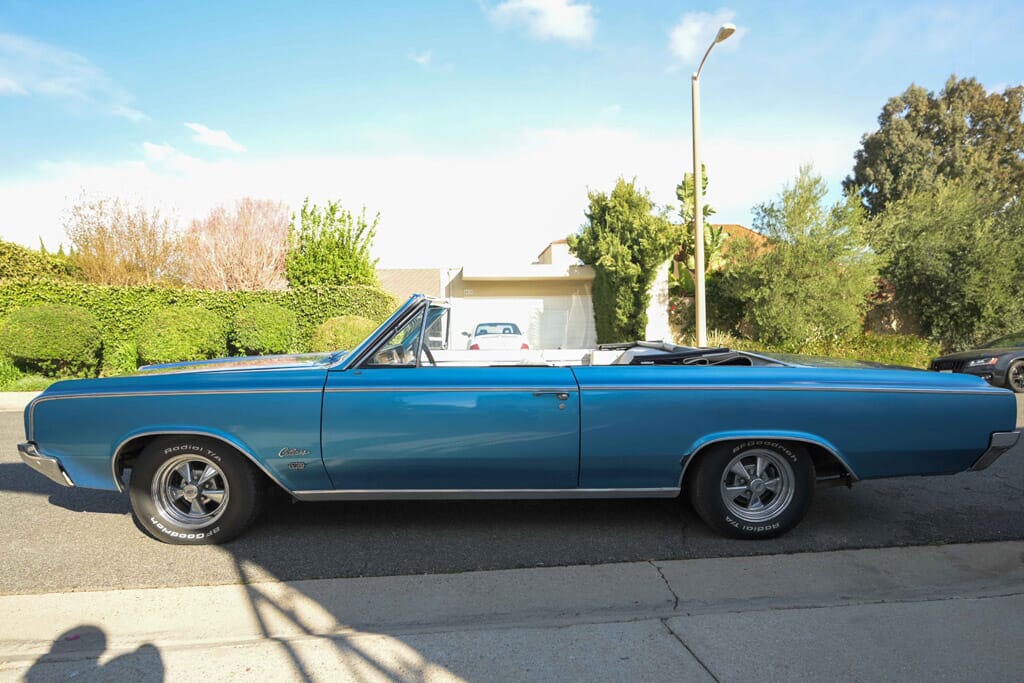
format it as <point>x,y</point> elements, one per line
<point>671,590</point>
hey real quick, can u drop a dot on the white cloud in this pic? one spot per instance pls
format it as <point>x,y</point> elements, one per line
<point>31,67</point>
<point>126,112</point>
<point>566,20</point>
<point>214,138</point>
<point>421,58</point>
<point>689,38</point>
<point>9,86</point>
<point>421,226</point>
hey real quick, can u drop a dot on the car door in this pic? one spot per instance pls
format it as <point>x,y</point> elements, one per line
<point>396,423</point>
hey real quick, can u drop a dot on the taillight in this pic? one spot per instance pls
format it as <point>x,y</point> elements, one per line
<point>525,346</point>
<point>474,347</point>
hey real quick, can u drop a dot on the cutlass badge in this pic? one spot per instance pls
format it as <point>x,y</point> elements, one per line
<point>292,453</point>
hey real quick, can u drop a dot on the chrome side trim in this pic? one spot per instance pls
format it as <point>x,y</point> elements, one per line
<point>132,394</point>
<point>186,432</point>
<point>46,465</point>
<point>762,387</point>
<point>483,494</point>
<point>1000,444</point>
<point>343,390</point>
<point>690,457</point>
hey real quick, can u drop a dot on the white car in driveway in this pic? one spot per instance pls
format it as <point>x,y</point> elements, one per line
<point>496,336</point>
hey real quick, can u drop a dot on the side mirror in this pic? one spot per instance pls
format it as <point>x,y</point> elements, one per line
<point>466,334</point>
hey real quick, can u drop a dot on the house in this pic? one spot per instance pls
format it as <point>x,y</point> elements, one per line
<point>549,299</point>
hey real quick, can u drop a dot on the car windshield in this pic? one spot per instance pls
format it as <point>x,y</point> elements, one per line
<point>497,328</point>
<point>1007,341</point>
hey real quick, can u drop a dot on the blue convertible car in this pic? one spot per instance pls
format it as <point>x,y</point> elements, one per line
<point>746,437</point>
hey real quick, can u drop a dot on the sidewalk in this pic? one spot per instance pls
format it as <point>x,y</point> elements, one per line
<point>11,401</point>
<point>948,613</point>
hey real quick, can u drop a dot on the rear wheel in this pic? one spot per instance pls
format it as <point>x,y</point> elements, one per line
<point>752,489</point>
<point>193,491</point>
<point>1015,376</point>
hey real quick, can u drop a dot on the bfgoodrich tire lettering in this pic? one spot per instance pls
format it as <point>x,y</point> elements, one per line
<point>193,491</point>
<point>752,489</point>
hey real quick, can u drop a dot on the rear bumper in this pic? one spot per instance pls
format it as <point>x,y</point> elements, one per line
<point>45,465</point>
<point>1001,444</point>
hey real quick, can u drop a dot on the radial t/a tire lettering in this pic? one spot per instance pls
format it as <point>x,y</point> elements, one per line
<point>752,489</point>
<point>193,491</point>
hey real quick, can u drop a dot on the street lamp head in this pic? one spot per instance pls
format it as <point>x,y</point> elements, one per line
<point>725,31</point>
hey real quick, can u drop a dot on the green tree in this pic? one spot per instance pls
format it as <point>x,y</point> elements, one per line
<point>813,279</point>
<point>626,240</point>
<point>330,246</point>
<point>963,133</point>
<point>955,257</point>
<point>714,237</point>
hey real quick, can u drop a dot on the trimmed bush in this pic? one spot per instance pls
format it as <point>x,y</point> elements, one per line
<point>17,261</point>
<point>120,357</point>
<point>121,311</point>
<point>55,340</point>
<point>344,332</point>
<point>181,334</point>
<point>9,374</point>
<point>262,328</point>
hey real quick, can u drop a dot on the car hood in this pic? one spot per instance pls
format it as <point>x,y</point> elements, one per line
<point>295,360</point>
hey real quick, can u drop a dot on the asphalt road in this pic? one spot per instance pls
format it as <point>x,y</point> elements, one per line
<point>57,539</point>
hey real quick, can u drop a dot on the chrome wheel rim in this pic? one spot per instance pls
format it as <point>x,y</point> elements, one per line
<point>1017,376</point>
<point>191,491</point>
<point>758,485</point>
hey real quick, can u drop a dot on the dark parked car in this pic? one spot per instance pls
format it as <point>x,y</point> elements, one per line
<point>999,362</point>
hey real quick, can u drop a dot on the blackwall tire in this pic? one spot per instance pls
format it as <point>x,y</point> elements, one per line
<point>193,491</point>
<point>1015,376</point>
<point>752,489</point>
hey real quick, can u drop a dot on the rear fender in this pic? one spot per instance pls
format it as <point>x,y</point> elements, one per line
<point>693,453</point>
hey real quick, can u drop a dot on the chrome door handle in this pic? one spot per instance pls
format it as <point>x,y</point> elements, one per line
<point>560,395</point>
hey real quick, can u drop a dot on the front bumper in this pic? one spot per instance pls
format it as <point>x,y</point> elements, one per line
<point>999,445</point>
<point>46,465</point>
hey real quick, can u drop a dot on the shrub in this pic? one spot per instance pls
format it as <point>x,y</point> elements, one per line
<point>344,332</point>
<point>56,340</point>
<point>120,357</point>
<point>122,311</point>
<point>262,328</point>
<point>182,334</point>
<point>21,262</point>
<point>8,373</point>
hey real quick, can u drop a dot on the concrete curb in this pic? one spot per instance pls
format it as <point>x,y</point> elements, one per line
<point>233,615</point>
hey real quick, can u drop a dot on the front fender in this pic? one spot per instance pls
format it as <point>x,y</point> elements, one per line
<point>126,442</point>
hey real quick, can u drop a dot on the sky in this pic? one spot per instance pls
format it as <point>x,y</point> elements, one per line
<point>475,128</point>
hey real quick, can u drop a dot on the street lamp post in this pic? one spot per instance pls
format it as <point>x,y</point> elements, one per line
<point>724,32</point>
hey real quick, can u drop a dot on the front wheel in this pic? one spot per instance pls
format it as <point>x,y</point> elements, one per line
<point>752,489</point>
<point>1015,376</point>
<point>193,491</point>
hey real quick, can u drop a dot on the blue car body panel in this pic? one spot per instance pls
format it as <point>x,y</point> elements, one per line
<point>328,423</point>
<point>879,422</point>
<point>82,422</point>
<point>452,428</point>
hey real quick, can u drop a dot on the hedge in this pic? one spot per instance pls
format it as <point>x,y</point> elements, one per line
<point>54,339</point>
<point>341,333</point>
<point>181,333</point>
<point>121,311</point>
<point>261,328</point>
<point>17,261</point>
